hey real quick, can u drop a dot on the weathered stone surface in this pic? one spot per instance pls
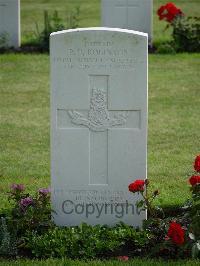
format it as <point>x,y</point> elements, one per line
<point>128,14</point>
<point>10,22</point>
<point>98,124</point>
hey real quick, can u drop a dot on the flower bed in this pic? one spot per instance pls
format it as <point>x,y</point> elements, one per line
<point>27,230</point>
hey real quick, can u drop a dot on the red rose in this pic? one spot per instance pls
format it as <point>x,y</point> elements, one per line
<point>194,180</point>
<point>137,186</point>
<point>123,258</point>
<point>197,163</point>
<point>169,12</point>
<point>160,12</point>
<point>176,233</point>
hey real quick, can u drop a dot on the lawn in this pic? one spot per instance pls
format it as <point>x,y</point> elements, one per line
<point>32,12</point>
<point>173,129</point>
<point>135,262</point>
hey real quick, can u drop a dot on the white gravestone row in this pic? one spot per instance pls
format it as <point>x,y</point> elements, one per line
<point>128,14</point>
<point>10,22</point>
<point>98,124</point>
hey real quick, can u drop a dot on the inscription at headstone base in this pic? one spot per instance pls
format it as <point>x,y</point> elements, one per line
<point>128,14</point>
<point>98,124</point>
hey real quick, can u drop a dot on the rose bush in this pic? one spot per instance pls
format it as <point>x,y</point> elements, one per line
<point>140,186</point>
<point>194,210</point>
<point>186,30</point>
<point>174,236</point>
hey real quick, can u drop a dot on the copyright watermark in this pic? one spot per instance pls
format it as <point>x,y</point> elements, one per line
<point>98,209</point>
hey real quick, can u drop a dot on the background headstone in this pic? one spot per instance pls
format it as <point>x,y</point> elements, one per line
<point>98,124</point>
<point>128,14</point>
<point>10,21</point>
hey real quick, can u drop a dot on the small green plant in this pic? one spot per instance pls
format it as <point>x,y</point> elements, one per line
<point>53,23</point>
<point>4,39</point>
<point>7,242</point>
<point>141,187</point>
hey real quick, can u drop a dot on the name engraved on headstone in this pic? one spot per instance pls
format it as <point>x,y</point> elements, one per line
<point>97,54</point>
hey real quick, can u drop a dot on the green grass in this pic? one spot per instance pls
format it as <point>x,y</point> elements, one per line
<point>174,99</point>
<point>173,141</point>
<point>32,12</point>
<point>135,262</point>
<point>24,86</point>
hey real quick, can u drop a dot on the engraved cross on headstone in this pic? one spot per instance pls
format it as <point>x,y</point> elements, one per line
<point>99,120</point>
<point>127,6</point>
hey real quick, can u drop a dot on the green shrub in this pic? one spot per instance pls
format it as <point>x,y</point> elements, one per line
<point>166,48</point>
<point>85,241</point>
<point>186,34</point>
<point>29,212</point>
<point>29,220</point>
<point>26,229</point>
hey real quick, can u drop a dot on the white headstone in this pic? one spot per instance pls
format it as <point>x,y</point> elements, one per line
<point>128,14</point>
<point>98,124</point>
<point>10,21</point>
